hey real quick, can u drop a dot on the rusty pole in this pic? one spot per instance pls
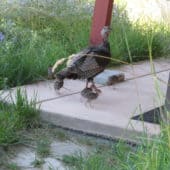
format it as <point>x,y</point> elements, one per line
<point>101,17</point>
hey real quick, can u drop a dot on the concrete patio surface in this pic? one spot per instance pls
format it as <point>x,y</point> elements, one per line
<point>110,114</point>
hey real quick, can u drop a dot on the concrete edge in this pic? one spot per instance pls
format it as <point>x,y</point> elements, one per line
<point>95,128</point>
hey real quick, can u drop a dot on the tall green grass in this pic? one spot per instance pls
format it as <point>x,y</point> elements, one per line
<point>150,155</point>
<point>36,36</point>
<point>16,118</point>
<point>38,33</point>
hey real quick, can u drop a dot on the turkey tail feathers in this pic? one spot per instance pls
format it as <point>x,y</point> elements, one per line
<point>58,62</point>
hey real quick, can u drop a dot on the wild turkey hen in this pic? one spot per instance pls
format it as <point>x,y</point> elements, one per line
<point>87,63</point>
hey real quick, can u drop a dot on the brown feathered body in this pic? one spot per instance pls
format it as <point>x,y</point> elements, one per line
<point>86,64</point>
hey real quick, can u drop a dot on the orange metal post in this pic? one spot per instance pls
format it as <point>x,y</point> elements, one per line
<point>101,17</point>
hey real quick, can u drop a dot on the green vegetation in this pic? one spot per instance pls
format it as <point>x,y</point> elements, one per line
<point>72,160</point>
<point>16,118</point>
<point>38,33</point>
<point>43,147</point>
<point>62,136</point>
<point>12,166</point>
<point>38,163</point>
<point>150,155</point>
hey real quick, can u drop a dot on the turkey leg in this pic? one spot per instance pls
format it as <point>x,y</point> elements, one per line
<point>93,86</point>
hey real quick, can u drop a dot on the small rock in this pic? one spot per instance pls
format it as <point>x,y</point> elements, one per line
<point>109,77</point>
<point>115,79</point>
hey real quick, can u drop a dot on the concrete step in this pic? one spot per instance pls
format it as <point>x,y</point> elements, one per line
<point>110,114</point>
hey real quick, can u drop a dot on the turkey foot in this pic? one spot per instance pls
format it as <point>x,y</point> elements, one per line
<point>93,86</point>
<point>58,84</point>
<point>89,95</point>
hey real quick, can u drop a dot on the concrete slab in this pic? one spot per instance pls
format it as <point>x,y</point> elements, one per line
<point>44,90</point>
<point>144,68</point>
<point>111,112</point>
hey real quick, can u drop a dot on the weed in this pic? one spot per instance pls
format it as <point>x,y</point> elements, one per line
<point>43,147</point>
<point>152,155</point>
<point>37,163</point>
<point>85,141</point>
<point>94,161</point>
<point>62,136</point>
<point>17,117</point>
<point>8,128</point>
<point>26,110</point>
<point>13,166</point>
<point>72,160</point>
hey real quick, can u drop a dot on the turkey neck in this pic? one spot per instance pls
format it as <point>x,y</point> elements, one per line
<point>103,50</point>
<point>106,45</point>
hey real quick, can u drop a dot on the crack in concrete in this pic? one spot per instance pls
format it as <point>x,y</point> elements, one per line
<point>101,86</point>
